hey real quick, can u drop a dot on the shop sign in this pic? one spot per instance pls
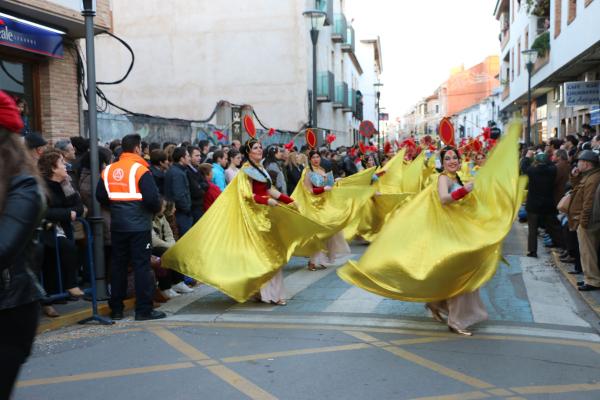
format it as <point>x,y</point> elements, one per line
<point>582,93</point>
<point>29,36</point>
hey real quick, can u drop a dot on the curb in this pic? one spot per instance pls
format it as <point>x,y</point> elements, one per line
<point>586,296</point>
<point>72,318</point>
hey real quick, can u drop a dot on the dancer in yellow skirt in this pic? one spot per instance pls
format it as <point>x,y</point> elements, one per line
<point>334,205</point>
<point>446,243</point>
<point>240,245</point>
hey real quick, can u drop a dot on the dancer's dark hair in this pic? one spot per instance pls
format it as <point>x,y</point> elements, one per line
<point>246,152</point>
<point>443,154</point>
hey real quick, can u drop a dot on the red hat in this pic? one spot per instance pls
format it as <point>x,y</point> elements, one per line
<point>10,117</point>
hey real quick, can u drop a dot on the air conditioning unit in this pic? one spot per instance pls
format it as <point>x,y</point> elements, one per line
<point>558,94</point>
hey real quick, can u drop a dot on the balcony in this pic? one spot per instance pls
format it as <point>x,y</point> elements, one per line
<point>349,45</point>
<point>325,86</point>
<point>327,7</point>
<point>340,29</point>
<point>351,103</point>
<point>341,95</point>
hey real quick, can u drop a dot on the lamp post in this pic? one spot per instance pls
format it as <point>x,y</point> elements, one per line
<point>88,13</point>
<point>317,19</point>
<point>377,85</point>
<point>529,57</point>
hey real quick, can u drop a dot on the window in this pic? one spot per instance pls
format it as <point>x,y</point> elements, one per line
<point>17,79</point>
<point>437,108</point>
<point>557,17</point>
<point>519,58</point>
<point>572,11</point>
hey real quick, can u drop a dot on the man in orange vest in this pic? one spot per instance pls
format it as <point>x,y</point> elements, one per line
<point>128,188</point>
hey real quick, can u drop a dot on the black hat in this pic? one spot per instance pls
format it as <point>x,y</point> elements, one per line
<point>588,155</point>
<point>34,140</point>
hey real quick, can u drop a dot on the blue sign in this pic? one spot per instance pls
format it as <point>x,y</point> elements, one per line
<point>595,115</point>
<point>28,36</point>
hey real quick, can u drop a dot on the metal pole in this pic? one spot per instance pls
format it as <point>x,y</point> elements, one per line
<point>314,36</point>
<point>378,132</point>
<point>528,138</point>
<point>96,217</point>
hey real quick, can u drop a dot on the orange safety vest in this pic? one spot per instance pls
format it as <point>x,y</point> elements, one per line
<point>121,178</point>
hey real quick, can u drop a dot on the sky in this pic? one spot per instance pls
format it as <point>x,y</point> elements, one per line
<point>422,40</point>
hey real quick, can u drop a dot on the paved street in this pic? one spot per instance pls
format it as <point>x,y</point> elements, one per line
<point>335,341</point>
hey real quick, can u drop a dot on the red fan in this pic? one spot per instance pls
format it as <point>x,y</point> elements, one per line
<point>387,147</point>
<point>330,138</point>
<point>427,140</point>
<point>289,146</point>
<point>477,145</point>
<point>362,147</point>
<point>487,132</point>
<point>352,152</point>
<point>311,138</point>
<point>249,126</point>
<point>446,131</point>
<point>367,129</point>
<point>220,135</point>
<point>372,149</point>
<point>272,131</point>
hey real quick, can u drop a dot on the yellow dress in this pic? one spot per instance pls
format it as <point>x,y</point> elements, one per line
<point>388,197</point>
<point>335,209</point>
<point>239,245</point>
<point>429,252</point>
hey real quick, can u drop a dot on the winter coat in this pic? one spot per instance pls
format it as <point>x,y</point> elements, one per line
<point>58,211</point>
<point>19,219</point>
<point>85,190</point>
<point>582,199</point>
<point>540,195</point>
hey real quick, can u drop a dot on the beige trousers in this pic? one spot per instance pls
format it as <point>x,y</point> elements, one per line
<point>589,239</point>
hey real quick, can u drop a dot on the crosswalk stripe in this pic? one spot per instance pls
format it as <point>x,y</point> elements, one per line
<point>355,300</point>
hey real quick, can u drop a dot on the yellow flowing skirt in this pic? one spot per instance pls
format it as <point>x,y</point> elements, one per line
<point>239,245</point>
<point>335,209</point>
<point>430,252</point>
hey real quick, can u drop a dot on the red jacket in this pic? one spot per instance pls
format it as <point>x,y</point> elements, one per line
<point>211,195</point>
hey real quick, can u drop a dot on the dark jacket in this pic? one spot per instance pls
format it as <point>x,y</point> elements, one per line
<point>294,173</point>
<point>198,187</point>
<point>132,216</point>
<point>540,194</point>
<point>349,166</point>
<point>59,211</point>
<point>563,172</point>
<point>159,178</point>
<point>19,219</point>
<point>85,191</point>
<point>177,188</point>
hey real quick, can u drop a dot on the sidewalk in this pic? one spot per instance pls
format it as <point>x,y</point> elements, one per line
<point>591,298</point>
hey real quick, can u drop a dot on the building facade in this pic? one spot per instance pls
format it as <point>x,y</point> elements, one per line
<point>567,40</point>
<point>465,90</point>
<point>190,55</point>
<point>470,122</point>
<point>38,60</point>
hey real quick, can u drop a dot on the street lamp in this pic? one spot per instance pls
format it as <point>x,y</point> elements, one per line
<point>88,12</point>
<point>529,57</point>
<point>317,19</point>
<point>377,85</point>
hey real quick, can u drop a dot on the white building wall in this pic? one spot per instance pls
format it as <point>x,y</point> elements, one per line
<point>190,54</point>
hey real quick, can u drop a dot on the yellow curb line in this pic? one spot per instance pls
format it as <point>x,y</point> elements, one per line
<point>573,281</point>
<point>76,316</point>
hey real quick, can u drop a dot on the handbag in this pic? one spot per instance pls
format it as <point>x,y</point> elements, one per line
<point>564,203</point>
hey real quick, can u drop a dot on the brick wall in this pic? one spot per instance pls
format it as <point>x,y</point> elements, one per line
<point>58,96</point>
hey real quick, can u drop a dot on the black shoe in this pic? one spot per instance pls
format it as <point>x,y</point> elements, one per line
<point>534,255</point>
<point>575,272</point>
<point>580,283</point>
<point>587,288</point>
<point>151,315</point>
<point>116,315</point>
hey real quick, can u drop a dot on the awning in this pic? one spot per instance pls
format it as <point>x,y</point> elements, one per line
<point>29,36</point>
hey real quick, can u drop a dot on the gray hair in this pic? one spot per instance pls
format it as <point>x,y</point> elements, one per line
<point>62,144</point>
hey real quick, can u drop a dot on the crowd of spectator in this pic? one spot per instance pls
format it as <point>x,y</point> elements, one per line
<point>188,178</point>
<point>564,199</point>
